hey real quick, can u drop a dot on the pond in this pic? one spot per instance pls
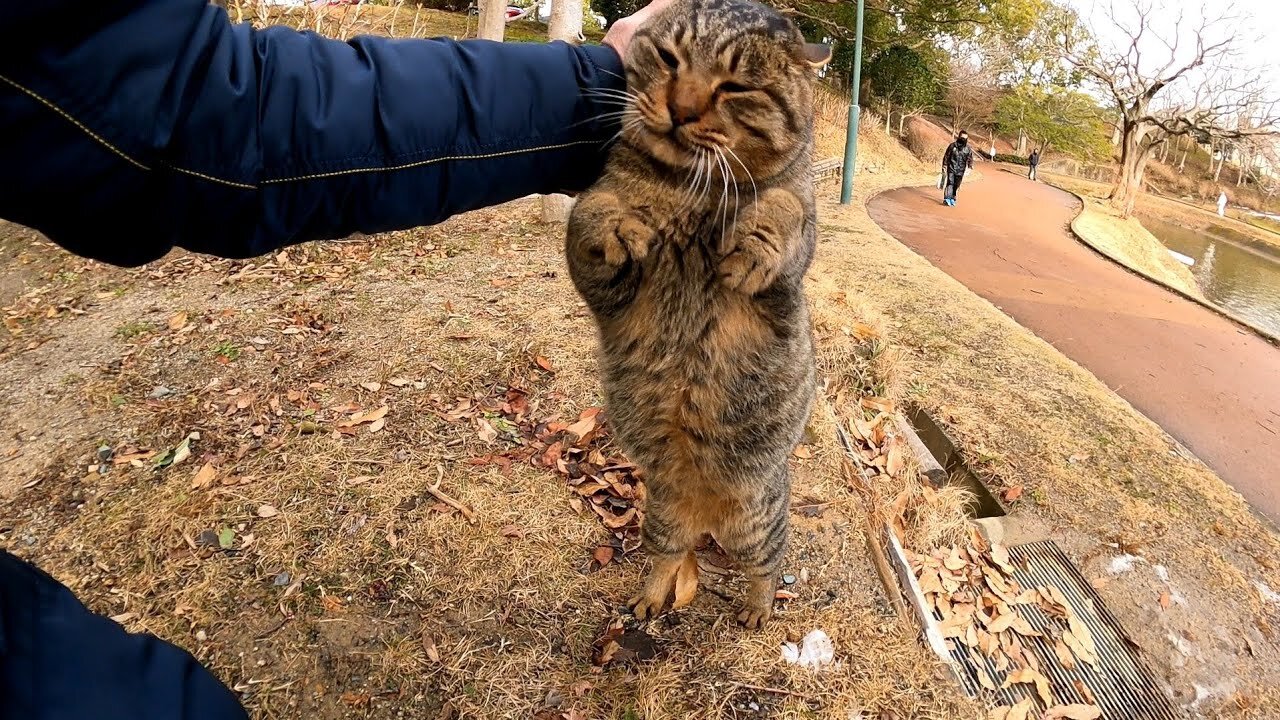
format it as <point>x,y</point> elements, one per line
<point>1241,276</point>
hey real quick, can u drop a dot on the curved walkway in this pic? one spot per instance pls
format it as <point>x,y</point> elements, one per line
<point>1211,384</point>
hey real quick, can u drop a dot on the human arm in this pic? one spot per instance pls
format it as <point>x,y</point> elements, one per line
<point>133,126</point>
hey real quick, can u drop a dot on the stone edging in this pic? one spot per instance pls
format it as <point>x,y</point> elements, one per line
<point>1084,205</point>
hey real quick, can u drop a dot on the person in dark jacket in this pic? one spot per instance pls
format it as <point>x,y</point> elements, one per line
<point>1033,161</point>
<point>957,158</point>
<point>131,127</point>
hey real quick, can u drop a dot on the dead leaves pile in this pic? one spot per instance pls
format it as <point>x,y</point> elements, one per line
<point>603,482</point>
<point>878,451</point>
<point>972,592</point>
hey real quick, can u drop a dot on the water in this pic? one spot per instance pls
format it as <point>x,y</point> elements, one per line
<point>1239,275</point>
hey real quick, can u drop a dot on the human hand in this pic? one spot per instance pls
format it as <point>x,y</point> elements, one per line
<point>620,32</point>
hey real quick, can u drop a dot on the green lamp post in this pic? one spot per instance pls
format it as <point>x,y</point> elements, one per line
<point>855,112</point>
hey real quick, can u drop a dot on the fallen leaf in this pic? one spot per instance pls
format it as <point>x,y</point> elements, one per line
<point>377,425</point>
<point>204,477</point>
<point>999,713</point>
<point>1020,711</point>
<point>331,603</point>
<point>400,382</point>
<point>512,531</point>
<point>619,521</point>
<point>984,679</point>
<point>429,646</point>
<point>1064,655</point>
<point>1073,712</point>
<point>359,479</point>
<point>954,561</point>
<point>686,580</point>
<point>487,433</point>
<point>371,386</point>
<point>544,363</point>
<point>1028,676</point>
<point>586,423</point>
<point>877,403</point>
<point>355,699</point>
<point>802,452</point>
<point>226,538</point>
<point>130,457</point>
<point>602,555</point>
<point>1165,600</point>
<point>895,463</point>
<point>267,511</point>
<point>361,418</point>
<point>1013,493</point>
<point>1000,556</point>
<point>178,320</point>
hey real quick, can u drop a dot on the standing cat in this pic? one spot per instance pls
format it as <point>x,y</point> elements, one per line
<point>690,252</point>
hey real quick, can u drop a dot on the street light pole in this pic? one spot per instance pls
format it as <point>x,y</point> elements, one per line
<point>855,113</point>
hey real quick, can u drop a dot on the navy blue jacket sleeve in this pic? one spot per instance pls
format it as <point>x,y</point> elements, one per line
<point>130,126</point>
<point>58,661</point>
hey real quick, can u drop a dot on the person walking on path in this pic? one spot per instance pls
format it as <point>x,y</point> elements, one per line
<point>1033,161</point>
<point>955,161</point>
<point>1222,204</point>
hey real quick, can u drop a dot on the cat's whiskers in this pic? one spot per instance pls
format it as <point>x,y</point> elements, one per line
<point>755,194</point>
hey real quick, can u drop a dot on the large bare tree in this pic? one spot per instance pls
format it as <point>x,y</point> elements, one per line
<point>1185,79</point>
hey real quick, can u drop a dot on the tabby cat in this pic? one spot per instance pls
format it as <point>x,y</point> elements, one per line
<point>690,252</point>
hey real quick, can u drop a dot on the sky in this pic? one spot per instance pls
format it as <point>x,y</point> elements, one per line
<point>1253,19</point>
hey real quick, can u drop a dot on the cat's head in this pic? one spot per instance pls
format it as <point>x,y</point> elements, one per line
<point>727,78</point>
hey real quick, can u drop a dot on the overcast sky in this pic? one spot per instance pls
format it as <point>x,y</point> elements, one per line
<point>1252,21</point>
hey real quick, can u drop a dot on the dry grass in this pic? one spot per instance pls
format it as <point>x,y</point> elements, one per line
<point>1127,242</point>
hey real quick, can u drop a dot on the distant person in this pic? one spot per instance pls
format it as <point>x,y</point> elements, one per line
<point>955,161</point>
<point>1033,161</point>
<point>1222,204</point>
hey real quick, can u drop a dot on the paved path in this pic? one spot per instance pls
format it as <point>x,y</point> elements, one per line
<point>1210,384</point>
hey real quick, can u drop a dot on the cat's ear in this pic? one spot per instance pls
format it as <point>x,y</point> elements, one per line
<point>816,54</point>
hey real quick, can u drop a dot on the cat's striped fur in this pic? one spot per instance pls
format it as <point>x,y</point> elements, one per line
<point>690,252</point>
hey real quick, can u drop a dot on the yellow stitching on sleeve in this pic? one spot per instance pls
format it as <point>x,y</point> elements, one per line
<point>431,161</point>
<point>75,122</point>
<point>210,178</point>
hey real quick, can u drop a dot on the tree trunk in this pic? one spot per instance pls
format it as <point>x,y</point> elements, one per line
<point>1022,142</point>
<point>1221,161</point>
<point>902,122</point>
<point>566,21</point>
<point>493,20</point>
<point>888,115</point>
<point>564,24</point>
<point>1133,162</point>
<point>1182,165</point>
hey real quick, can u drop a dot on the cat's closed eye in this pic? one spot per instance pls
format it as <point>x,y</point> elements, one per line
<point>732,88</point>
<point>668,58</point>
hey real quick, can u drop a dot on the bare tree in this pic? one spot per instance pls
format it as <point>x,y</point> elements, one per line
<point>1164,89</point>
<point>493,19</point>
<point>973,86</point>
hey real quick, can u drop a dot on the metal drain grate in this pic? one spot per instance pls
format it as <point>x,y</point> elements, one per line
<point>1122,685</point>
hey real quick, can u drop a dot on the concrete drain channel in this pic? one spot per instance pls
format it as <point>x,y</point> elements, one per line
<point>1116,680</point>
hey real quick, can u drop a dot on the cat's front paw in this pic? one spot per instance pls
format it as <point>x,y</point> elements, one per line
<point>628,239</point>
<point>750,269</point>
<point>647,607</point>
<point>754,618</point>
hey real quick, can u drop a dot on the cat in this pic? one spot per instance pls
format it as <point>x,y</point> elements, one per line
<point>690,252</point>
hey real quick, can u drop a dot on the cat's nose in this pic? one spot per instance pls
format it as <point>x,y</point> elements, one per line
<point>686,104</point>
<point>683,114</point>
